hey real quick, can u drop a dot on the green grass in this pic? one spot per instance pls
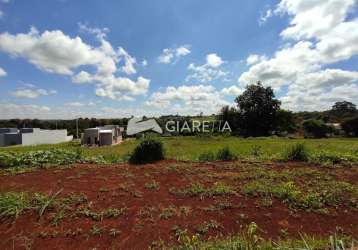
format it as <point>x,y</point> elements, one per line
<point>190,148</point>
<point>249,239</point>
<point>197,189</point>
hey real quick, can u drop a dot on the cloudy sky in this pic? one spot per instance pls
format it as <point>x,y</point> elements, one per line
<point>116,58</point>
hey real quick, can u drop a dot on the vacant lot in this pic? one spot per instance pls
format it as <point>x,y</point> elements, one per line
<point>134,207</point>
<point>190,148</point>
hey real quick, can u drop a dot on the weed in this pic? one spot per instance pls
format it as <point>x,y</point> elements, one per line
<point>95,230</point>
<point>114,212</point>
<point>114,232</point>
<point>207,226</point>
<point>197,189</point>
<point>167,213</point>
<point>152,185</point>
<point>297,152</point>
<point>256,151</point>
<point>225,154</point>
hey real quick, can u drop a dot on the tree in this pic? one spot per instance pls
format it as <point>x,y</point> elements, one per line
<point>230,115</point>
<point>257,110</point>
<point>350,126</point>
<point>285,122</point>
<point>315,128</point>
<point>344,107</point>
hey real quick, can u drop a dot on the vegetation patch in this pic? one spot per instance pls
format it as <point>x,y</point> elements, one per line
<point>197,189</point>
<point>148,151</point>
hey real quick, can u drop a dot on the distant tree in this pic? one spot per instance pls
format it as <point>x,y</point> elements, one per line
<point>315,128</point>
<point>350,126</point>
<point>230,115</point>
<point>345,107</point>
<point>257,109</point>
<point>285,122</point>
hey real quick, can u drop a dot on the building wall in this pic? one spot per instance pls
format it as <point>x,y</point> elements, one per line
<point>45,137</point>
<point>106,139</point>
<point>10,139</point>
<point>89,136</point>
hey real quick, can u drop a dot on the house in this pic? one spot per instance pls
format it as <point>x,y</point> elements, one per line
<point>32,136</point>
<point>102,136</point>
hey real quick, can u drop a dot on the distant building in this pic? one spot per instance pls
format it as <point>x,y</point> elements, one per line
<point>102,136</point>
<point>32,136</point>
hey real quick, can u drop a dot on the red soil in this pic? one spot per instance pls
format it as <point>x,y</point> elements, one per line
<point>105,187</point>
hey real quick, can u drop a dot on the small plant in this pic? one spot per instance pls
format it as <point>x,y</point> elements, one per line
<point>297,152</point>
<point>225,154</point>
<point>207,226</point>
<point>167,213</point>
<point>152,185</point>
<point>114,232</point>
<point>114,212</point>
<point>256,151</point>
<point>95,230</point>
<point>148,151</point>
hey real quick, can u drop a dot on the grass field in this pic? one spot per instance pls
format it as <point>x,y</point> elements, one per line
<point>260,200</point>
<point>190,148</point>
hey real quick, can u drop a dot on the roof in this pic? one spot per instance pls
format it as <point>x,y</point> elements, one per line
<point>104,131</point>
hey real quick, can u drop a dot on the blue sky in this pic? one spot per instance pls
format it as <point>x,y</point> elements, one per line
<point>64,59</point>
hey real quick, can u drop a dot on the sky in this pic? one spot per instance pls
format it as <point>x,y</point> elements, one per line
<point>63,59</point>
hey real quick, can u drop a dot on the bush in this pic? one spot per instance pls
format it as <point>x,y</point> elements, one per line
<point>297,152</point>
<point>148,151</point>
<point>315,128</point>
<point>225,154</point>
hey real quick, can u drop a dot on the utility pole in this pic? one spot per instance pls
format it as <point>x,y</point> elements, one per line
<point>77,128</point>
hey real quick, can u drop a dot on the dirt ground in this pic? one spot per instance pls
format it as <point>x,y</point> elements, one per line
<point>153,212</point>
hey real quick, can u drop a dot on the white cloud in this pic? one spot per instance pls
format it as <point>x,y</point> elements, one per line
<point>232,91</point>
<point>313,18</point>
<point>129,62</point>
<point>76,104</point>
<point>32,93</point>
<point>213,60</point>
<point>2,72</point>
<point>264,17</point>
<point>173,55</point>
<point>100,33</point>
<point>207,72</point>
<point>253,59</point>
<point>188,99</point>
<point>323,36</point>
<point>116,87</point>
<point>11,110</point>
<point>55,52</point>
<point>144,63</point>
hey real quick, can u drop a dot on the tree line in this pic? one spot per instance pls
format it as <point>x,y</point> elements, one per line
<point>257,113</point>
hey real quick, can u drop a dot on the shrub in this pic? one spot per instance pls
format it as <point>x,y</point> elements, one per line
<point>297,152</point>
<point>148,151</point>
<point>315,128</point>
<point>225,154</point>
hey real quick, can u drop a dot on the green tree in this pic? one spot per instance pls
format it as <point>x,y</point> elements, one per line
<point>350,126</point>
<point>257,109</point>
<point>285,122</point>
<point>315,128</point>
